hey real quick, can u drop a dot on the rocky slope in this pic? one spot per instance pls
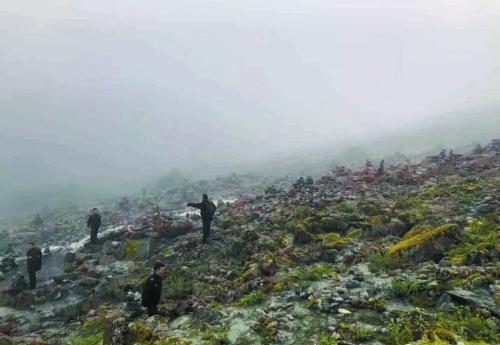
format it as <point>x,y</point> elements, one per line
<point>394,255</point>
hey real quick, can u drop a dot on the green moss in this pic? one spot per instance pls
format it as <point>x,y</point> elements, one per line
<point>140,332</point>
<point>418,236</point>
<point>354,234</point>
<point>93,325</point>
<point>278,287</point>
<point>334,241</point>
<point>311,273</point>
<point>89,333</point>
<point>216,335</point>
<point>326,339</point>
<point>252,298</point>
<point>131,247</point>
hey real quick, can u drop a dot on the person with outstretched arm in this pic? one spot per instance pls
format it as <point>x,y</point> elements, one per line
<point>207,211</point>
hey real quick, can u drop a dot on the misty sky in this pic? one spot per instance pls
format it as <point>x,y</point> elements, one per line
<point>119,90</point>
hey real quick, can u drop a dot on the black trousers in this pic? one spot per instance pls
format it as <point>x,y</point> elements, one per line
<point>152,310</point>
<point>206,229</point>
<point>93,235</point>
<point>32,276</point>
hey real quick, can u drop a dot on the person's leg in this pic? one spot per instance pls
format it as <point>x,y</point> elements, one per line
<point>93,235</point>
<point>209,223</point>
<point>32,276</point>
<point>206,230</point>
<point>152,310</point>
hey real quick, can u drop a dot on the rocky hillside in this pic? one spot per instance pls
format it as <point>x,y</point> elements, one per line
<point>383,255</point>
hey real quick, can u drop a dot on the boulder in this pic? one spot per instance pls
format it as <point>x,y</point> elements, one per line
<point>480,299</point>
<point>116,332</point>
<point>136,249</point>
<point>88,282</point>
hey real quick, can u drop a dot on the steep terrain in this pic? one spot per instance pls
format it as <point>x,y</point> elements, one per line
<point>384,255</point>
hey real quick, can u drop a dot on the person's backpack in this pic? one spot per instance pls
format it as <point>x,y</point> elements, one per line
<point>211,209</point>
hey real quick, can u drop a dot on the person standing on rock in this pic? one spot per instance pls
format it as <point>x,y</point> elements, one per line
<point>34,263</point>
<point>151,292</point>
<point>94,223</point>
<point>207,210</point>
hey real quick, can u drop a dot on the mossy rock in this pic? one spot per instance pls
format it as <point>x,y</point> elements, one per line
<point>140,333</point>
<point>136,249</point>
<point>424,243</point>
<point>334,241</point>
<point>302,236</point>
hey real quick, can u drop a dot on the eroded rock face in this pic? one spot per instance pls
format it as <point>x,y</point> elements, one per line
<point>116,332</point>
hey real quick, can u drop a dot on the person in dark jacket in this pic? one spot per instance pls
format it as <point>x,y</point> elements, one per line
<point>151,291</point>
<point>34,263</point>
<point>94,223</point>
<point>207,211</point>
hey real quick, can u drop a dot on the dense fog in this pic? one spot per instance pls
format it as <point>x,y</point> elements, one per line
<point>99,98</point>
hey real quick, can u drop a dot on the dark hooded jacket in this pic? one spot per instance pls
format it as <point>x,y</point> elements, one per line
<point>207,209</point>
<point>94,221</point>
<point>34,261</point>
<point>151,291</point>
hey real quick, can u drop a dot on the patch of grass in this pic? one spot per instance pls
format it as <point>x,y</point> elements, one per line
<point>326,339</point>
<point>89,333</point>
<point>481,235</point>
<point>252,298</point>
<point>377,304</point>
<point>177,285</point>
<point>460,325</point>
<point>354,333</point>
<point>384,263</point>
<point>471,326</point>
<point>405,288</point>
<point>216,335</point>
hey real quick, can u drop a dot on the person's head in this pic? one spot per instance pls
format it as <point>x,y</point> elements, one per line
<point>94,210</point>
<point>204,197</point>
<point>30,245</point>
<point>159,269</point>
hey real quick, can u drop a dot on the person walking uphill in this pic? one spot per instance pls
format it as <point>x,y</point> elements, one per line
<point>34,263</point>
<point>207,210</point>
<point>94,223</point>
<point>151,292</point>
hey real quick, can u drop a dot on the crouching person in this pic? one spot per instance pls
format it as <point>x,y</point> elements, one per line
<point>151,292</point>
